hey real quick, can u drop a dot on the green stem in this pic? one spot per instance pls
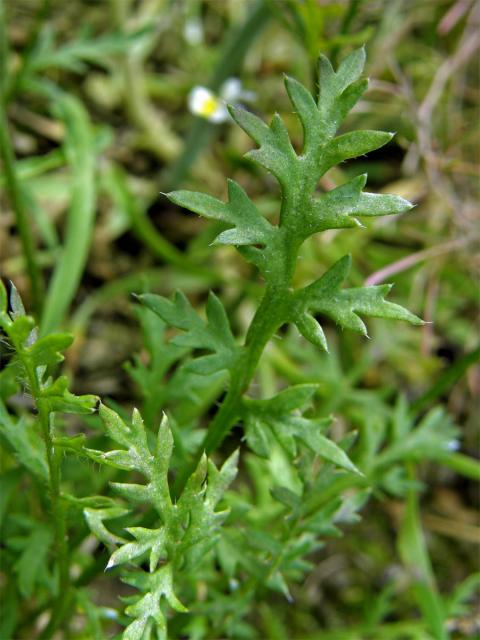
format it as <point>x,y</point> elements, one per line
<point>18,203</point>
<point>58,513</point>
<point>264,325</point>
<point>59,521</point>
<point>274,310</point>
<point>270,315</point>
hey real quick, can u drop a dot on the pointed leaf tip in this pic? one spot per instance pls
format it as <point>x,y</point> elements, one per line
<point>164,438</point>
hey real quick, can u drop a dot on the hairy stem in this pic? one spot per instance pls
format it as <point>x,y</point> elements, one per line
<point>60,531</point>
<point>58,513</point>
<point>263,326</point>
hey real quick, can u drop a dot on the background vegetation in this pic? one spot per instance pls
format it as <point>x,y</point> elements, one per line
<point>94,124</point>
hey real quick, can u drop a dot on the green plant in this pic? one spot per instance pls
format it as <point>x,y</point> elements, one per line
<point>199,553</point>
<point>188,526</point>
<point>274,249</point>
<point>41,450</point>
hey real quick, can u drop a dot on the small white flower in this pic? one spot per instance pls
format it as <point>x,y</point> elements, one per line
<point>231,90</point>
<point>204,103</point>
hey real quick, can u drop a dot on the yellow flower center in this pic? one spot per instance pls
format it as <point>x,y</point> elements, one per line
<point>209,106</point>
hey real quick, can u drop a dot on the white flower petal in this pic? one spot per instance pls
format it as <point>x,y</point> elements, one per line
<point>197,98</point>
<point>231,90</point>
<point>220,114</point>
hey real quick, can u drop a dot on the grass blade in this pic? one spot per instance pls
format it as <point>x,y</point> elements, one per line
<point>79,150</point>
<point>15,189</point>
<point>413,551</point>
<point>447,380</point>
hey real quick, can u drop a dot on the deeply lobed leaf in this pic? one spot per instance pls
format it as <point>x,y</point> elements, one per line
<point>187,529</point>
<point>278,419</point>
<point>273,249</point>
<point>324,296</point>
<point>250,227</point>
<point>213,334</point>
<point>34,356</point>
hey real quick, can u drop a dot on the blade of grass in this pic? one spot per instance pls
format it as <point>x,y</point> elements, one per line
<point>13,81</point>
<point>414,553</point>
<point>79,151</point>
<point>14,187</point>
<point>45,226</point>
<point>462,464</point>
<point>19,204</point>
<point>115,181</point>
<point>347,21</point>
<point>446,380</point>
<point>37,165</point>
